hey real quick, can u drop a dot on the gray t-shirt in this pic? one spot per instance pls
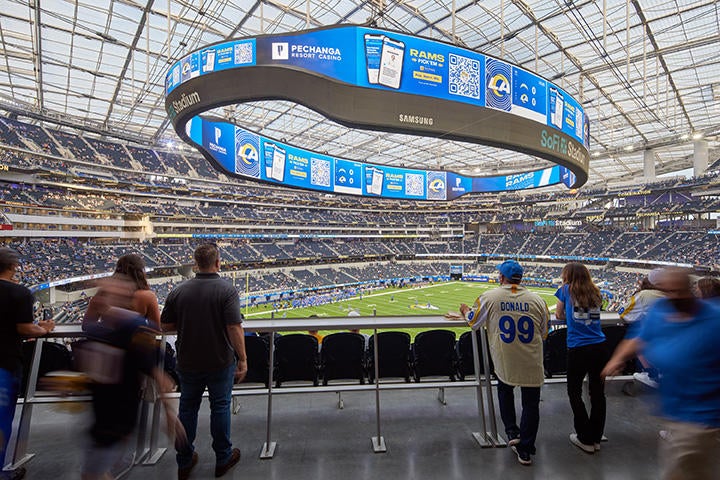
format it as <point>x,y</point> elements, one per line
<point>201,309</point>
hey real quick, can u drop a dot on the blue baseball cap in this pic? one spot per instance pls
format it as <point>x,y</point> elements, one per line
<point>511,270</point>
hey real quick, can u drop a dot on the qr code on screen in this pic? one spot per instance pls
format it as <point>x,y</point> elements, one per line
<point>464,76</point>
<point>319,172</point>
<point>414,185</point>
<point>243,53</point>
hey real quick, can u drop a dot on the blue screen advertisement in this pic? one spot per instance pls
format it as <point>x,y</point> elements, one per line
<point>392,182</point>
<point>379,59</point>
<point>529,95</point>
<point>241,152</point>
<point>408,64</point>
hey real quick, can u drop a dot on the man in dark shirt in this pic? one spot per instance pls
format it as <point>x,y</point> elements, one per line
<point>205,312</point>
<point>16,322</point>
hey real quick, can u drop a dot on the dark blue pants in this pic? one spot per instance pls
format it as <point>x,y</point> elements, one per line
<point>529,419</point>
<point>9,386</point>
<point>219,385</point>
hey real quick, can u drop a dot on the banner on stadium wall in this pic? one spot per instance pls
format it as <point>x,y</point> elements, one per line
<point>67,281</point>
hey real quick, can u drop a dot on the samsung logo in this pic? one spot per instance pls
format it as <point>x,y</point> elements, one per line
<point>416,119</point>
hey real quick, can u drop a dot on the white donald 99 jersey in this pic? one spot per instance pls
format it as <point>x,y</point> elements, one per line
<point>517,323</point>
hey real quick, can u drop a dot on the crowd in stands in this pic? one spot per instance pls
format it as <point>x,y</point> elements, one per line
<point>52,259</point>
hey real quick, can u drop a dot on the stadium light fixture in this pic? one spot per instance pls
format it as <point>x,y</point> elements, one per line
<point>697,136</point>
<point>596,154</point>
<point>684,136</point>
<point>628,148</point>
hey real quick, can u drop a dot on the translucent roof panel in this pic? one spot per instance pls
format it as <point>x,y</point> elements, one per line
<point>647,73</point>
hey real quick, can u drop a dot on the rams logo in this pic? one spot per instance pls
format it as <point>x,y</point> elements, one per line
<point>437,185</point>
<point>248,153</point>
<point>499,85</point>
<point>497,81</point>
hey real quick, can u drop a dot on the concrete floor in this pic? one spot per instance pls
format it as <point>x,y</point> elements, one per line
<point>425,440</point>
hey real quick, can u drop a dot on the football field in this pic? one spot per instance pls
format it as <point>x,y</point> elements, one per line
<point>435,299</point>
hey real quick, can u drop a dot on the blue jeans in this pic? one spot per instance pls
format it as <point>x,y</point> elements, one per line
<point>529,420</point>
<point>219,385</point>
<point>9,387</point>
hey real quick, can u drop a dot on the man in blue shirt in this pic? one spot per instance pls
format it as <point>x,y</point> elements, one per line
<point>679,337</point>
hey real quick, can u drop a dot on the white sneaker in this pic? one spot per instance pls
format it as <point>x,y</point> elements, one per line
<point>664,434</point>
<point>513,441</point>
<point>582,446</point>
<point>644,378</point>
<point>523,458</point>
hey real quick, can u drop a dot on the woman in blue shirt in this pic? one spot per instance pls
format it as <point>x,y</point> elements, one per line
<point>579,302</point>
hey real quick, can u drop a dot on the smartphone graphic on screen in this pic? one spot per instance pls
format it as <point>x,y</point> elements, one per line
<point>373,50</point>
<point>391,63</point>
<point>278,164</point>
<point>557,104</point>
<point>208,60</point>
<point>269,153</point>
<point>578,123</point>
<point>374,179</point>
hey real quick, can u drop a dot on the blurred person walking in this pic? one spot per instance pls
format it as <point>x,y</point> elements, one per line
<point>679,337</point>
<point>16,323</point>
<point>120,349</point>
<point>579,301</point>
<point>144,301</point>
<point>205,312</point>
<point>517,322</point>
<point>634,313</point>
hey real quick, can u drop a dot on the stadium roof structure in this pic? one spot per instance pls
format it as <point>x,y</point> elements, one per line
<point>647,72</point>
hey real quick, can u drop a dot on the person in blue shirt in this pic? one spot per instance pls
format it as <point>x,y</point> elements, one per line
<point>579,302</point>
<point>679,337</point>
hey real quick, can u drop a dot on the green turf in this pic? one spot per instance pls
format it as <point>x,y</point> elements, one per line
<point>398,302</point>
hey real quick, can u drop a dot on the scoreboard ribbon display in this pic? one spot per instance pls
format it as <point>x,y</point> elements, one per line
<point>380,80</point>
